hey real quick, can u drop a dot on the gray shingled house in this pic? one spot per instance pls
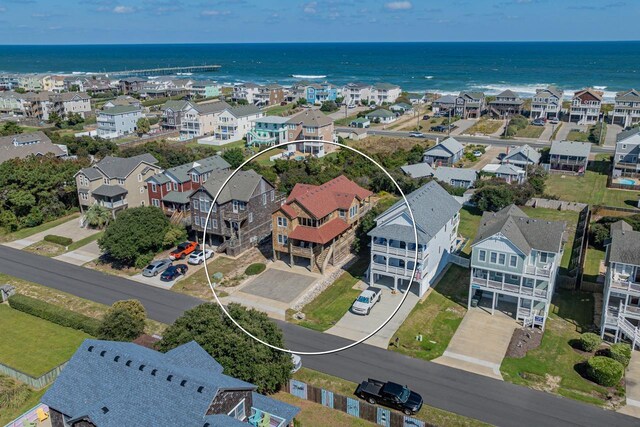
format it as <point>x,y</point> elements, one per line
<point>446,153</point>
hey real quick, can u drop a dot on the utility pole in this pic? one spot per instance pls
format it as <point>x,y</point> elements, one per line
<point>449,124</point>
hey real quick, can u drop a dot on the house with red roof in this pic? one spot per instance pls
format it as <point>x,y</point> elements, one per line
<point>316,224</point>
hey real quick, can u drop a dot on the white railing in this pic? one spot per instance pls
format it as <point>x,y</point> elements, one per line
<point>394,250</point>
<point>626,285</point>
<point>538,271</point>
<point>629,330</point>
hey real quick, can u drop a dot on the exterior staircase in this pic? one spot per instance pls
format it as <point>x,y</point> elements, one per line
<point>177,217</point>
<point>323,259</point>
<point>630,331</point>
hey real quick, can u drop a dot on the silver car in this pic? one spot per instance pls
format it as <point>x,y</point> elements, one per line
<point>156,267</point>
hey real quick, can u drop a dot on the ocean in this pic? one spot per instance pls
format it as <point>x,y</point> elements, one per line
<point>436,67</point>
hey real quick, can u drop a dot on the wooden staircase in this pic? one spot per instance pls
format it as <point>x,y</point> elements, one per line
<point>177,217</point>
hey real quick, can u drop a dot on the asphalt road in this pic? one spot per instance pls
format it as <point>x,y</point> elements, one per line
<point>477,139</point>
<point>475,396</point>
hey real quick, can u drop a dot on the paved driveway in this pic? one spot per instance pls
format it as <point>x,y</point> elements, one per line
<point>632,382</point>
<point>480,343</point>
<point>355,327</point>
<point>568,127</point>
<point>610,137</point>
<point>69,229</point>
<point>462,125</point>
<point>82,255</point>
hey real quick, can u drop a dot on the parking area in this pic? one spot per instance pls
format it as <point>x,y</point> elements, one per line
<point>480,342</point>
<point>155,280</point>
<point>489,156</point>
<point>70,229</point>
<point>612,133</point>
<point>568,127</point>
<point>353,326</point>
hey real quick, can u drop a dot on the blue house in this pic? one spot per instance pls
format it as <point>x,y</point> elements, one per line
<point>113,384</point>
<point>320,92</point>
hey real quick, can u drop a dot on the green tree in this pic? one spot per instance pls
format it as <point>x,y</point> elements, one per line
<point>21,201</point>
<point>20,90</point>
<point>239,354</point>
<point>10,128</point>
<point>135,235</point>
<point>234,156</point>
<point>143,126</point>
<point>124,321</point>
<point>55,119</point>
<point>74,119</point>
<point>174,235</point>
<point>301,101</point>
<point>493,197</point>
<point>329,106</point>
<point>98,216</point>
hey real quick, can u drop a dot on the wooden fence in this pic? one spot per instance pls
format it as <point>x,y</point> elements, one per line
<point>353,406</point>
<point>36,383</point>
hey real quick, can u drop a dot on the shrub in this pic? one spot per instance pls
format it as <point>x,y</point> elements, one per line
<point>254,269</point>
<point>604,371</point>
<point>123,322</point>
<point>590,341</point>
<point>620,352</point>
<point>55,314</point>
<point>59,240</point>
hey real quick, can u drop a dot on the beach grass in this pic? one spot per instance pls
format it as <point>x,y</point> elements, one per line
<point>530,132</point>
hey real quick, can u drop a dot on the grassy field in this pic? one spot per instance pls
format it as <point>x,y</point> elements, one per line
<point>428,414</point>
<point>196,284</point>
<point>530,132</point>
<point>485,127</point>
<point>328,307</point>
<point>436,318</point>
<point>591,189</point>
<point>552,366</point>
<point>577,135</point>
<point>16,398</point>
<point>385,144</point>
<point>314,414</point>
<point>281,110</point>
<point>469,223</point>
<point>26,232</point>
<point>592,264</point>
<point>33,345</point>
<point>49,249</point>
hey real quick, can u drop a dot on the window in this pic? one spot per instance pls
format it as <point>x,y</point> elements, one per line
<point>353,211</point>
<point>342,213</point>
<point>141,190</point>
<point>264,198</point>
<point>250,216</point>
<point>544,257</point>
<point>513,261</point>
<point>282,221</point>
<point>502,259</point>
<point>493,258</point>
<point>196,220</point>
<point>175,186</point>
<point>168,186</point>
<point>195,204</point>
<point>195,177</point>
<point>238,412</point>
<point>234,205</point>
<point>154,188</point>
<point>120,181</point>
<point>273,195</point>
<point>155,202</point>
<point>105,180</point>
<point>482,255</point>
<point>214,223</point>
<point>139,177</point>
<point>282,239</point>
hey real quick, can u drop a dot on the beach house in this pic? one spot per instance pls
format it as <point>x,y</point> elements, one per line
<point>507,103</point>
<point>172,114</point>
<point>268,130</point>
<point>118,121</point>
<point>569,156</point>
<point>356,93</point>
<point>317,93</point>
<point>514,264</point>
<point>456,177</point>
<point>444,104</point>
<point>470,105</point>
<point>393,243</point>
<point>547,103</point>
<point>445,153</point>
<point>510,173</point>
<point>621,294</point>
<point>381,115</point>
<point>522,156</point>
<point>116,182</point>
<point>384,93</point>
<point>205,89</point>
<point>23,145</point>
<point>271,94</point>
<point>132,85</point>
<point>307,127</point>
<point>200,119</point>
<point>626,160</point>
<point>108,383</point>
<point>245,92</point>
<point>585,106</point>
<point>241,216</point>
<point>316,224</point>
<point>626,111</point>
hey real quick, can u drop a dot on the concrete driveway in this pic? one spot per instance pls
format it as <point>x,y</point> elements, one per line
<point>632,383</point>
<point>612,133</point>
<point>489,156</point>
<point>355,327</point>
<point>462,125</point>
<point>568,127</point>
<point>70,229</point>
<point>82,255</point>
<point>480,343</point>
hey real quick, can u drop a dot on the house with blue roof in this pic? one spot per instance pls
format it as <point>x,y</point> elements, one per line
<point>114,384</point>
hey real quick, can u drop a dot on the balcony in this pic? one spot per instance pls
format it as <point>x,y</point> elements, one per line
<point>384,268</point>
<point>112,205</point>
<point>392,250</point>
<point>264,419</point>
<point>235,216</point>
<point>538,271</point>
<point>623,283</point>
<point>305,252</point>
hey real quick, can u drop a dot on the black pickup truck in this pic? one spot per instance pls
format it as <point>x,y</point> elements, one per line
<point>390,394</point>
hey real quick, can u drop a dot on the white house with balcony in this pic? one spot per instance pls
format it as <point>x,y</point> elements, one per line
<point>514,263</point>
<point>268,130</point>
<point>621,302</point>
<point>393,244</point>
<point>118,121</point>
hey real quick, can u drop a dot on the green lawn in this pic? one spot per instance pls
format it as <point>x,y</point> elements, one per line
<point>552,366</point>
<point>469,223</point>
<point>329,307</point>
<point>530,132</point>
<point>197,285</point>
<point>591,189</point>
<point>16,398</point>
<point>592,264</point>
<point>344,121</point>
<point>428,414</point>
<point>280,110</point>
<point>82,242</point>
<point>485,127</point>
<point>436,318</point>
<point>33,345</point>
<point>577,135</point>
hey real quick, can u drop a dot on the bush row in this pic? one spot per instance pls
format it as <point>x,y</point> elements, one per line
<point>55,314</point>
<point>59,240</point>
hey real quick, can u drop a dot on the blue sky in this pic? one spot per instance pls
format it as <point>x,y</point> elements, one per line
<point>227,21</point>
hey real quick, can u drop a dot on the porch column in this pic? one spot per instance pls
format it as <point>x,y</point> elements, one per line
<point>517,308</point>
<point>395,283</point>
<point>493,303</point>
<point>471,290</point>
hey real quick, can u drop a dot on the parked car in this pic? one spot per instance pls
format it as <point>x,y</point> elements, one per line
<point>199,256</point>
<point>438,128</point>
<point>173,272</point>
<point>156,267</point>
<point>390,394</point>
<point>502,156</point>
<point>183,250</point>
<point>417,135</point>
<point>477,153</point>
<point>352,105</point>
<point>439,114</point>
<point>366,300</point>
<point>426,117</point>
<point>554,121</point>
<point>538,122</point>
<point>297,363</point>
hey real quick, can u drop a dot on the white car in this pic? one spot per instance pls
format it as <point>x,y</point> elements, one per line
<point>367,299</point>
<point>297,363</point>
<point>199,256</point>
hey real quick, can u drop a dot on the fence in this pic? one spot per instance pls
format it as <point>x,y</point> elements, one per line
<point>36,383</point>
<point>458,260</point>
<point>611,184</point>
<point>353,406</point>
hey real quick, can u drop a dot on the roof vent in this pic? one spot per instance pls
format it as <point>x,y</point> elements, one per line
<point>105,409</point>
<point>170,377</point>
<point>200,389</point>
<point>141,368</point>
<point>90,349</point>
<point>103,352</point>
<point>153,372</point>
<point>115,359</point>
<point>183,383</point>
<point>128,363</point>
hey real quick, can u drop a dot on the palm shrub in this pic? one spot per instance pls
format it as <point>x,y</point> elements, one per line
<point>604,371</point>
<point>97,216</point>
<point>590,341</point>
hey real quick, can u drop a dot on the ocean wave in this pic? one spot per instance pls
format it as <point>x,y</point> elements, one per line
<point>428,77</point>
<point>308,76</point>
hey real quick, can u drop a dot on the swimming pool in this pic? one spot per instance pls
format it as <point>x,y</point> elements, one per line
<point>627,181</point>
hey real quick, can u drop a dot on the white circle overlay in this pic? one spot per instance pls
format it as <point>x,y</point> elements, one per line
<point>353,344</point>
